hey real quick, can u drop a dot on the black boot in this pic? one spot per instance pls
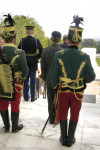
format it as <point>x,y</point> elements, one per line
<point>15,126</point>
<point>71,133</point>
<point>5,118</point>
<point>63,129</point>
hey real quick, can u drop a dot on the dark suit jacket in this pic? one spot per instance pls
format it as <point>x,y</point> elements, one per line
<point>46,61</point>
<point>64,45</point>
<point>29,44</point>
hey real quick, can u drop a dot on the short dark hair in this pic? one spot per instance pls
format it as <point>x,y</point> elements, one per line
<point>55,39</point>
<point>56,36</point>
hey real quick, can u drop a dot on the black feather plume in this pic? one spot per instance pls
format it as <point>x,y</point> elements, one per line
<point>77,20</point>
<point>9,20</point>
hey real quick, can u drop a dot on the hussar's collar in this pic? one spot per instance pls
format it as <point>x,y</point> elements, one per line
<point>9,44</point>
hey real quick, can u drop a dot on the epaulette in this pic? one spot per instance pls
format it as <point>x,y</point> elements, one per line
<point>17,51</point>
<point>83,53</point>
<point>61,51</point>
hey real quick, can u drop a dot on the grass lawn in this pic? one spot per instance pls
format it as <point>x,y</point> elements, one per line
<point>98,61</point>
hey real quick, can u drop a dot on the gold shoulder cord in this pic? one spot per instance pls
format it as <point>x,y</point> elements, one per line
<point>78,74</point>
<point>13,60</point>
<point>63,68</point>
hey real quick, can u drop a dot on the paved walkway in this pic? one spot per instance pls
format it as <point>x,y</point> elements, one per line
<point>34,114</point>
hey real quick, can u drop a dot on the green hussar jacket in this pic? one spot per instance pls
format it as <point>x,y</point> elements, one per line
<point>71,69</point>
<point>17,61</point>
<point>16,57</point>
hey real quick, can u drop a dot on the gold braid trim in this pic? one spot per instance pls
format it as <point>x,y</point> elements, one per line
<point>18,91</point>
<point>77,96</point>
<point>17,51</point>
<point>14,59</point>
<point>6,78</point>
<point>56,86</point>
<point>16,84</point>
<point>6,96</point>
<point>9,44</point>
<point>18,74</point>
<point>68,91</point>
<point>63,68</point>
<point>76,29</point>
<point>76,36</point>
<point>27,54</point>
<point>68,80</point>
<point>7,31</point>
<point>61,52</point>
<point>11,28</point>
<point>80,69</point>
<point>75,93</point>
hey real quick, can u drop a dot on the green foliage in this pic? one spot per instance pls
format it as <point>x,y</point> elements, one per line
<point>21,22</point>
<point>98,46</point>
<point>88,43</point>
<point>91,43</point>
<point>80,47</point>
<point>98,61</point>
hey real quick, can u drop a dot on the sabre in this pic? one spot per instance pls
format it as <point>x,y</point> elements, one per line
<point>47,121</point>
<point>49,116</point>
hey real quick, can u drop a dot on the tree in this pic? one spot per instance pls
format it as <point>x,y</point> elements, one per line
<point>88,43</point>
<point>91,43</point>
<point>98,46</point>
<point>21,22</point>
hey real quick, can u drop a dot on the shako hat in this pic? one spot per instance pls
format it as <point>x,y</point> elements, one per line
<point>30,27</point>
<point>9,30</point>
<point>75,32</point>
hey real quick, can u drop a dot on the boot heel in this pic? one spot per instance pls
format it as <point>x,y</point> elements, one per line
<point>63,128</point>
<point>15,126</point>
<point>20,127</point>
<point>5,118</point>
<point>71,133</point>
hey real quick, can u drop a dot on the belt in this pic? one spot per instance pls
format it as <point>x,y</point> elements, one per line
<point>27,54</point>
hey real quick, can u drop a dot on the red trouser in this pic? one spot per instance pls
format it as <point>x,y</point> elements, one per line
<point>14,104</point>
<point>66,101</point>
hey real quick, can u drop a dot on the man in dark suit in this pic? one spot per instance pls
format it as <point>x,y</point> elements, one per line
<point>65,38</point>
<point>30,45</point>
<point>46,61</point>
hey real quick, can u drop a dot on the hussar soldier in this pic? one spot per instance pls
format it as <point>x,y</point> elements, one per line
<point>70,71</point>
<point>13,71</point>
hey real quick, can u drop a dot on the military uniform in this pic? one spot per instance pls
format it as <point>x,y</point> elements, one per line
<point>70,71</point>
<point>17,60</point>
<point>31,45</point>
<point>13,71</point>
